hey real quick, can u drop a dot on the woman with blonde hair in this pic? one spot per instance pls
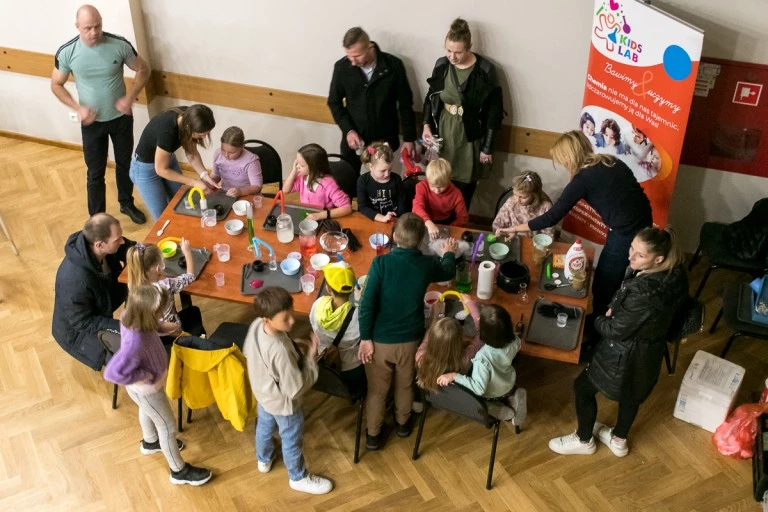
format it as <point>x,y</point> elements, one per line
<point>609,187</point>
<point>634,330</point>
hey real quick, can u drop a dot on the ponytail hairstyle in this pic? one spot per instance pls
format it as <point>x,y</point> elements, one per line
<point>460,33</point>
<point>143,308</point>
<point>233,136</point>
<point>195,119</point>
<point>573,151</point>
<point>139,259</point>
<point>529,182</point>
<point>662,242</point>
<point>377,151</point>
<point>317,161</point>
<point>444,353</point>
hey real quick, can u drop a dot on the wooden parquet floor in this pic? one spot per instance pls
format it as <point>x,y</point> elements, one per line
<point>63,448</point>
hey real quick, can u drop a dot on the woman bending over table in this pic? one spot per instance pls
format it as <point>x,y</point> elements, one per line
<point>627,360</point>
<point>609,186</point>
<point>154,168</point>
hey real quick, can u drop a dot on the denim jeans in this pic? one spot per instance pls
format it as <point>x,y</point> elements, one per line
<point>610,270</point>
<point>291,430</point>
<point>154,190</point>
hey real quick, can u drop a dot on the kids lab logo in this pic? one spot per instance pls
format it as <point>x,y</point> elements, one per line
<point>612,27</point>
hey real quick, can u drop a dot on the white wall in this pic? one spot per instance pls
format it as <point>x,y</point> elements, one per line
<point>26,102</point>
<point>540,50</point>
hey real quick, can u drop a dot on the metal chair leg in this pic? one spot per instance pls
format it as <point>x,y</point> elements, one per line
<point>730,342</point>
<point>694,259</point>
<point>717,320</point>
<point>667,360</point>
<point>674,356</point>
<point>703,281</point>
<point>180,408</point>
<point>421,429</point>
<point>358,429</point>
<point>114,397</point>
<point>493,454</point>
<point>189,415</point>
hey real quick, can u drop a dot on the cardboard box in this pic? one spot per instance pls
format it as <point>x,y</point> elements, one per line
<point>708,390</point>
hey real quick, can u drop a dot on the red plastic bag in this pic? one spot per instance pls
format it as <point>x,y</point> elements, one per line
<point>735,437</point>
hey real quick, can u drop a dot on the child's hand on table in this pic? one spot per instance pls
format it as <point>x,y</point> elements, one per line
<point>432,229</point>
<point>446,379</point>
<point>450,245</point>
<point>233,192</point>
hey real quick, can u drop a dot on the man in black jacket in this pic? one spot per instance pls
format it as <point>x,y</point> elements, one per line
<point>87,291</point>
<point>368,90</point>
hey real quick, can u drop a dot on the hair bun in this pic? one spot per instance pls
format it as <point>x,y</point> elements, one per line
<point>459,25</point>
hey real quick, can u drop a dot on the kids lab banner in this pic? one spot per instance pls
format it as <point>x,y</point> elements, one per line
<point>638,92</point>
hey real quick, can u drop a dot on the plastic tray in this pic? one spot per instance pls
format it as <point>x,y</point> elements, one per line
<point>297,213</point>
<point>565,291</point>
<point>200,257</point>
<point>217,199</point>
<point>544,331</point>
<point>270,277</point>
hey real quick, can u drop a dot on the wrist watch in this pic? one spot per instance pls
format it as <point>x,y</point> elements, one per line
<point>327,213</point>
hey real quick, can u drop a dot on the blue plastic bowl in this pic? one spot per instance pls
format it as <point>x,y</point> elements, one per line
<point>290,266</point>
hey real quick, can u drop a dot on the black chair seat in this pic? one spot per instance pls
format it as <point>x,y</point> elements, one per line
<point>711,239</point>
<point>737,304</point>
<point>409,189</point>
<point>232,332</point>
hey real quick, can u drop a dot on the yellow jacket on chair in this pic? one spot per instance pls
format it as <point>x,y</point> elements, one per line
<point>203,372</point>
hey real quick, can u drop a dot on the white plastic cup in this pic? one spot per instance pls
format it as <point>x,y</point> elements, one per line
<point>257,201</point>
<point>222,252</point>
<point>307,283</point>
<point>208,218</point>
<point>562,319</point>
<point>219,277</point>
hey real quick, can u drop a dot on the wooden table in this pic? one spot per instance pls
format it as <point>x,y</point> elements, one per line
<point>205,286</point>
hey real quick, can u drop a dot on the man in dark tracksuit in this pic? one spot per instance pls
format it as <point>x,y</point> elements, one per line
<point>87,292</point>
<point>370,97</point>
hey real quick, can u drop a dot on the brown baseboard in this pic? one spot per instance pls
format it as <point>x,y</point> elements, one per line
<point>39,140</point>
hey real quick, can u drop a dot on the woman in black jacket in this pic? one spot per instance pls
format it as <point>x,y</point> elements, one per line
<point>464,107</point>
<point>627,360</point>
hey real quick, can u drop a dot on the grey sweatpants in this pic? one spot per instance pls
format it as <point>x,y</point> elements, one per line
<point>158,424</point>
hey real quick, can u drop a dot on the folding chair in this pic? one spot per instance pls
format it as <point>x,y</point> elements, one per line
<point>329,382</point>
<point>461,401</point>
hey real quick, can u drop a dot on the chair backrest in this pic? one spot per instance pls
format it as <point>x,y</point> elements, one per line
<point>688,320</point>
<point>459,400</point>
<point>231,331</point>
<point>409,188</point>
<point>271,164</point>
<point>329,382</point>
<point>502,199</point>
<point>192,321</point>
<point>344,174</point>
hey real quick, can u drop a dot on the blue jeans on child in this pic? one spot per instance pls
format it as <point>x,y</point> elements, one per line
<point>154,190</point>
<point>291,430</point>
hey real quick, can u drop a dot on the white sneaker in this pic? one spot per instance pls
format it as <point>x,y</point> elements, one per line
<point>604,434</point>
<point>519,402</point>
<point>266,467</point>
<point>572,445</point>
<point>312,484</point>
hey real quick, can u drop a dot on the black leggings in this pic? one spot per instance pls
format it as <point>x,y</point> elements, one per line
<point>586,410</point>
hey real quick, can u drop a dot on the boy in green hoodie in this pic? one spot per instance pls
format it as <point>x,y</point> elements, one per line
<point>392,321</point>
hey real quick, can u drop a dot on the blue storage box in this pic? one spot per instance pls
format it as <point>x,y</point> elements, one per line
<point>759,294</point>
